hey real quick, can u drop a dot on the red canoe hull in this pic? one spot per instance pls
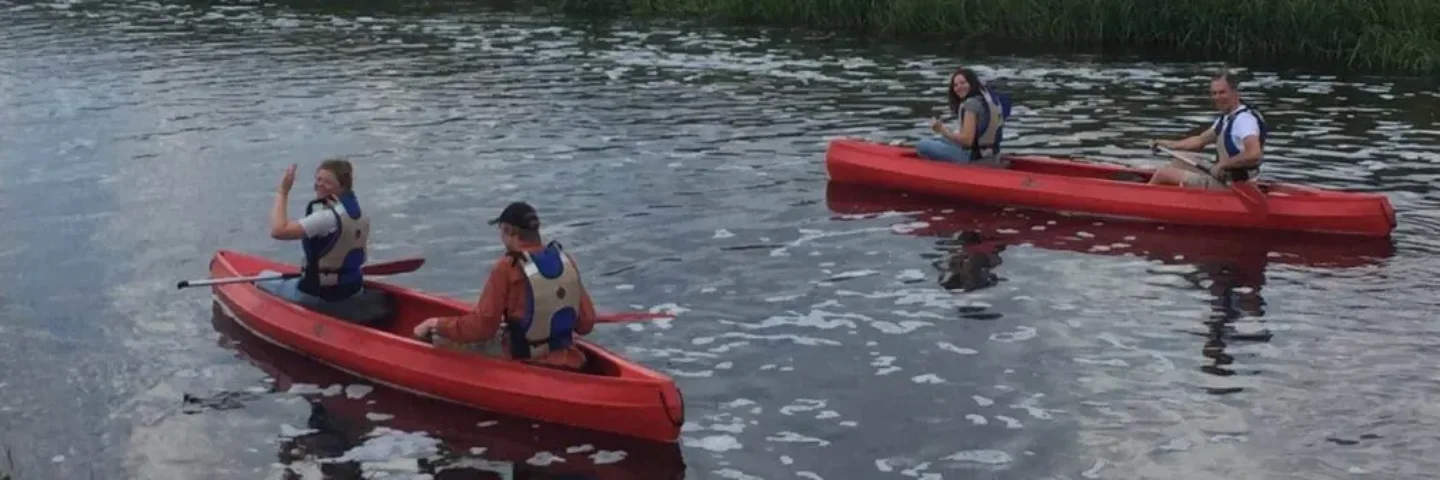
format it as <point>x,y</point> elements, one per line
<point>1106,190</point>
<point>504,439</point>
<point>1177,244</point>
<point>622,397</point>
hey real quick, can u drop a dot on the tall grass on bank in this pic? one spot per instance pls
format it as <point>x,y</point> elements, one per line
<point>1377,35</point>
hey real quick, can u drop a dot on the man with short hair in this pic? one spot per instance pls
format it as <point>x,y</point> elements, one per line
<point>533,299</point>
<point>1239,136</point>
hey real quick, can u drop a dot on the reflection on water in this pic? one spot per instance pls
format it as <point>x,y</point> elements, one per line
<point>683,167</point>
<point>354,427</point>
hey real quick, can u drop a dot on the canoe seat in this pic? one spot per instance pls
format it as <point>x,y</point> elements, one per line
<point>374,308</point>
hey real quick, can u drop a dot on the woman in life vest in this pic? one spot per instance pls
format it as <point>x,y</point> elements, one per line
<point>981,115</point>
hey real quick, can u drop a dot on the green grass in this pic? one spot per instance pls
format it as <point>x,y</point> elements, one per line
<point>1393,36</point>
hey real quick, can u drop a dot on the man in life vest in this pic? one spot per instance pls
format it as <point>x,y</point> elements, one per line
<point>1239,135</point>
<point>333,234</point>
<point>533,302</point>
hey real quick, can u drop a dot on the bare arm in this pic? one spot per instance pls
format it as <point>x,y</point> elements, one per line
<point>281,227</point>
<point>1193,143</point>
<point>1249,154</point>
<point>968,124</point>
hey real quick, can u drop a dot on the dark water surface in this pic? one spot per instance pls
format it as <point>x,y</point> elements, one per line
<point>826,333</point>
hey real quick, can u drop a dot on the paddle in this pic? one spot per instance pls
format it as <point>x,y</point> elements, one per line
<point>1252,197</point>
<point>404,265</point>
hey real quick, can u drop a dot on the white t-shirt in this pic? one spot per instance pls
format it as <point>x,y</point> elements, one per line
<point>321,222</point>
<point>1244,125</point>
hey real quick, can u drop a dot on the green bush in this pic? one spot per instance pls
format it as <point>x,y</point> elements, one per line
<point>1379,35</point>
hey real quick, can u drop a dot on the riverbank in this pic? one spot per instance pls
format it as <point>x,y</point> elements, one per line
<point>1392,36</point>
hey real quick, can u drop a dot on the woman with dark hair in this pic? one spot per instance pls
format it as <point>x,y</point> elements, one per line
<point>982,116</point>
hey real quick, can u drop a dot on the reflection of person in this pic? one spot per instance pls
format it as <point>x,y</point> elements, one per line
<point>970,266</point>
<point>1236,295</point>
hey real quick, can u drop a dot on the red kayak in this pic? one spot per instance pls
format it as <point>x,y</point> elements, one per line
<point>507,442</point>
<point>1170,244</point>
<point>1066,185</point>
<point>615,395</point>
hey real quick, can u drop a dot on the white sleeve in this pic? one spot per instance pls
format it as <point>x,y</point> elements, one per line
<point>319,223</point>
<point>1244,126</point>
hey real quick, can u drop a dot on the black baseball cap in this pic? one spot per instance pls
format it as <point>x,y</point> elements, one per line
<point>519,215</point>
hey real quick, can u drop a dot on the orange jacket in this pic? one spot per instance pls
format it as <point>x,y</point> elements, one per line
<point>502,299</point>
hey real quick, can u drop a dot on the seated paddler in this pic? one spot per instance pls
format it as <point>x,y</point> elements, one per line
<point>333,235</point>
<point>981,113</point>
<point>533,305</point>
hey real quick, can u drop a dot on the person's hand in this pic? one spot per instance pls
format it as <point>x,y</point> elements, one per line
<point>426,329</point>
<point>287,181</point>
<point>936,126</point>
<point>1216,171</point>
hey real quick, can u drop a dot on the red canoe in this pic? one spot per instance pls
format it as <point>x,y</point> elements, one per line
<point>618,396</point>
<point>1107,190</point>
<point>1169,244</point>
<point>507,442</point>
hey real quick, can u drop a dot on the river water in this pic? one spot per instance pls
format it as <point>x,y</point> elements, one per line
<point>824,332</point>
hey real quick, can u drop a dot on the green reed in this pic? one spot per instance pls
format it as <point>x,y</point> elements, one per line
<point>1378,35</point>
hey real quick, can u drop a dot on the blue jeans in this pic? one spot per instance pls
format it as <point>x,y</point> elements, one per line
<point>364,307</point>
<point>946,150</point>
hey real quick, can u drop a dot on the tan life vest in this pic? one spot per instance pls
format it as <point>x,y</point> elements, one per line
<point>553,293</point>
<point>986,138</point>
<point>333,261</point>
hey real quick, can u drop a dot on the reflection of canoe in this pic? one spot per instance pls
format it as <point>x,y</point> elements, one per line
<point>504,439</point>
<point>619,396</point>
<point>1107,190</point>
<point>1165,243</point>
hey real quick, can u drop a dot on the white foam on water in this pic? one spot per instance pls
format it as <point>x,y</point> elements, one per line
<point>625,287</point>
<point>487,423</point>
<point>849,423</point>
<point>386,444</point>
<point>792,437</point>
<point>853,274</point>
<point>802,405</point>
<point>580,448</point>
<point>723,233</point>
<point>541,459</point>
<point>827,414</point>
<point>605,457</point>
<point>809,474</point>
<point>1010,423</point>
<point>927,378</point>
<point>288,431</point>
<point>899,328</point>
<point>713,443</point>
<point>782,298</point>
<point>786,460</point>
<point>358,391</point>
<point>976,419</point>
<point>987,457</point>
<point>378,417</point>
<point>982,401</point>
<point>950,347</point>
<point>734,474</point>
<point>1021,333</point>
<point>910,274</point>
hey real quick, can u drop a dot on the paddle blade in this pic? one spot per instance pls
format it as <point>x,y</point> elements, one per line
<point>623,317</point>
<point>1253,198</point>
<point>404,265</point>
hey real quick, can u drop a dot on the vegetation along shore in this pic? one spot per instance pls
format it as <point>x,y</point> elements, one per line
<point>1394,36</point>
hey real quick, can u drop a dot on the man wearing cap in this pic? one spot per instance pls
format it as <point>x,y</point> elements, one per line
<point>534,293</point>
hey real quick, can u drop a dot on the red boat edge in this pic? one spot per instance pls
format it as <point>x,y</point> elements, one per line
<point>614,396</point>
<point>1068,185</point>
<point>498,438</point>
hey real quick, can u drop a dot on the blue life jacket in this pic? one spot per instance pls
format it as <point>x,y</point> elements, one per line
<point>333,261</point>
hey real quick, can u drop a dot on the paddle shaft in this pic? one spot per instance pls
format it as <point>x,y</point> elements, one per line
<point>228,280</point>
<point>404,265</point>
<point>1253,198</point>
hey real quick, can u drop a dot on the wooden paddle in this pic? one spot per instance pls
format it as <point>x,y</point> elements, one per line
<point>404,265</point>
<point>1252,197</point>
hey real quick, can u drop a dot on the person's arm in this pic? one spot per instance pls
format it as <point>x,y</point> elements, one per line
<point>281,228</point>
<point>482,323</point>
<point>1193,143</point>
<point>968,123</point>
<point>1248,130</point>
